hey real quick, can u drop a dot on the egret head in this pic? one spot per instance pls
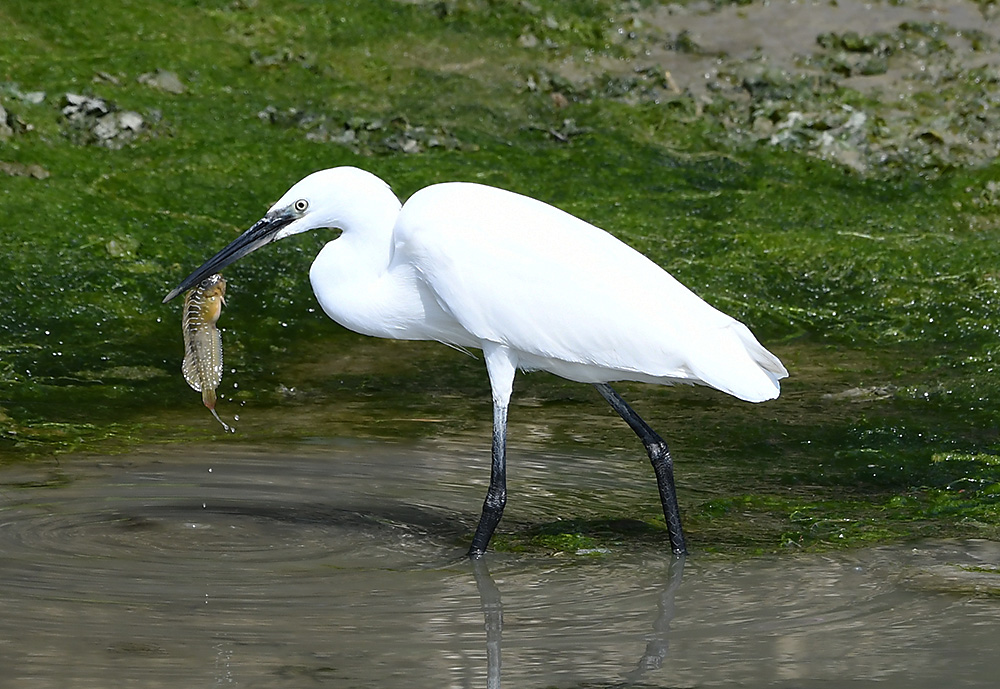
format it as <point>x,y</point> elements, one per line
<point>323,199</point>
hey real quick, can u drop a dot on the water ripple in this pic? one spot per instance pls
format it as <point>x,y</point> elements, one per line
<point>342,566</point>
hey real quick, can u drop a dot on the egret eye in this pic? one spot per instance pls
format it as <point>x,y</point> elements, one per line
<point>300,206</point>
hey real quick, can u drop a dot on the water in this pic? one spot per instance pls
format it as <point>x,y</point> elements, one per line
<point>340,564</point>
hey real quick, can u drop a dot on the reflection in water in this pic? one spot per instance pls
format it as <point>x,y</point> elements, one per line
<point>489,596</point>
<point>328,568</point>
<point>659,644</point>
<point>656,648</point>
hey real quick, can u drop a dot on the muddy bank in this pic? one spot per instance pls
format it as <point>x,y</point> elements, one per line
<point>867,85</point>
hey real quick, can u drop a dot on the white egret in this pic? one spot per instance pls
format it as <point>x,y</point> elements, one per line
<point>533,287</point>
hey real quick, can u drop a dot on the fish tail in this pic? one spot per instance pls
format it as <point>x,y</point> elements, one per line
<point>229,429</point>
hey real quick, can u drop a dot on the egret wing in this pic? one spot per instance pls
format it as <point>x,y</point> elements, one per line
<point>568,295</point>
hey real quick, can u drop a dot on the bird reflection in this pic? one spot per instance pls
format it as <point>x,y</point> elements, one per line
<point>489,600</point>
<point>659,642</point>
<point>657,645</point>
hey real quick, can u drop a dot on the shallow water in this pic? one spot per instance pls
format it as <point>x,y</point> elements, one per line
<point>340,564</point>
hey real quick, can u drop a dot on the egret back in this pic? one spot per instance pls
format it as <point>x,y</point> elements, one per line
<point>570,297</point>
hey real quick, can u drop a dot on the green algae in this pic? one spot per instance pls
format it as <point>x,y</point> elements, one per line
<point>889,264</point>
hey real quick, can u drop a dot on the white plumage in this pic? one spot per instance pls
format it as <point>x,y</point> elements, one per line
<point>532,286</point>
<point>469,264</point>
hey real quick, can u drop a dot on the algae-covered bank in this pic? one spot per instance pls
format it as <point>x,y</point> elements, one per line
<point>836,190</point>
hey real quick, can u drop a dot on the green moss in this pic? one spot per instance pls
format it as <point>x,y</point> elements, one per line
<point>580,537</point>
<point>866,261</point>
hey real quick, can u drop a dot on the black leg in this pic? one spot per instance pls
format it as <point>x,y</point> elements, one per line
<point>659,456</point>
<point>496,496</point>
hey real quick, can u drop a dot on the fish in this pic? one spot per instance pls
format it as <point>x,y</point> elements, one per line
<point>202,366</point>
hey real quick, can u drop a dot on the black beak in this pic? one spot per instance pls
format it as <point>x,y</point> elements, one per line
<point>260,234</point>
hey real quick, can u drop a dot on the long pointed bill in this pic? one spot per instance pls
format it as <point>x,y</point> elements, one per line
<point>262,233</point>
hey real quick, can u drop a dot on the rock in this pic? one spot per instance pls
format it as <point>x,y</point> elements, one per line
<point>30,97</point>
<point>163,80</point>
<point>106,128</point>
<point>527,40</point>
<point>130,120</point>
<point>118,125</point>
<point>11,124</point>
<point>76,106</point>
<point>22,170</point>
<point>97,121</point>
<point>364,136</point>
<point>6,131</point>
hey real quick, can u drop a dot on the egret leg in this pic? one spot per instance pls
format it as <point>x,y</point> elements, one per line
<point>501,363</point>
<point>659,456</point>
<point>496,495</point>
